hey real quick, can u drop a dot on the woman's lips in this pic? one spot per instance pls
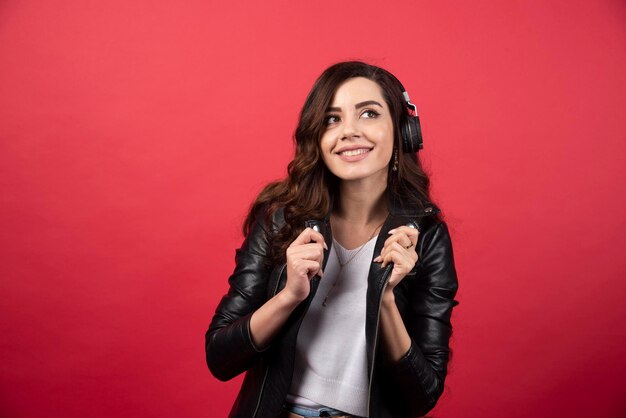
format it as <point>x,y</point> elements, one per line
<point>354,154</point>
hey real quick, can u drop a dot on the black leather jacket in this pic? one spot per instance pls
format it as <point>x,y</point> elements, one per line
<point>425,298</point>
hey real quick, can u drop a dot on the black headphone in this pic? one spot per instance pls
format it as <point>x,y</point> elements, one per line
<point>410,130</point>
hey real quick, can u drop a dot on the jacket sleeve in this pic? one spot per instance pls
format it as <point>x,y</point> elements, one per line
<point>228,344</point>
<point>419,376</point>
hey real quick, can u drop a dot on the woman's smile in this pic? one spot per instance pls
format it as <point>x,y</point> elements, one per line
<point>353,154</point>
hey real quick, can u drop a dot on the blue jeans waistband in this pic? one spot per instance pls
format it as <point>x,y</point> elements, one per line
<point>313,412</point>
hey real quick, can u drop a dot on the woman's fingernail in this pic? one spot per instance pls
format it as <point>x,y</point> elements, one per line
<point>325,246</point>
<point>392,231</point>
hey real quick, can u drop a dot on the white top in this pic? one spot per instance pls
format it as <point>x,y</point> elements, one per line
<point>331,357</point>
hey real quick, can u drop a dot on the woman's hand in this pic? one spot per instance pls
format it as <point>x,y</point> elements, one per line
<point>399,249</point>
<point>304,260</point>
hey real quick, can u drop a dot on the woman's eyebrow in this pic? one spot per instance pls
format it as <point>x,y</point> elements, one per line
<point>367,103</point>
<point>356,106</point>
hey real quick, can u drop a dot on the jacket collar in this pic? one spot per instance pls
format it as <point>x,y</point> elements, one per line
<point>400,213</point>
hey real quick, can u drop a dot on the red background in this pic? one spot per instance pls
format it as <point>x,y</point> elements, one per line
<point>134,135</point>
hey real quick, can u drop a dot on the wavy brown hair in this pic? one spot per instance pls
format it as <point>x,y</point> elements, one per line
<point>309,188</point>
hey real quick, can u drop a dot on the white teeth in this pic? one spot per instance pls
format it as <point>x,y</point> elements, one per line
<point>354,152</point>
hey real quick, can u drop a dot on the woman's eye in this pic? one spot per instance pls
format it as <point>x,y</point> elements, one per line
<point>331,119</point>
<point>370,114</point>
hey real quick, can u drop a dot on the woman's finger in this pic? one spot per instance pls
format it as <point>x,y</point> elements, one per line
<point>406,236</point>
<point>398,254</point>
<point>406,229</point>
<point>392,254</point>
<point>309,235</point>
<point>308,268</point>
<point>402,241</point>
<point>411,233</point>
<point>401,238</point>
<point>311,251</point>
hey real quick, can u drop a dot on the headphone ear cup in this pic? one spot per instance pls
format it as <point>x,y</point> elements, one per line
<point>412,135</point>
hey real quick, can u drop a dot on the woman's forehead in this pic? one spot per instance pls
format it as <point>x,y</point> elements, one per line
<point>356,90</point>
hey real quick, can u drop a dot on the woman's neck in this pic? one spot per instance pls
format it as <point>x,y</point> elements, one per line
<point>361,202</point>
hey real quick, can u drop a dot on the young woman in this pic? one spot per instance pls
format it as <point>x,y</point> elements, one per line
<point>343,289</point>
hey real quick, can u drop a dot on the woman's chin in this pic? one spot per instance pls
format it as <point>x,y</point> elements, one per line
<point>362,175</point>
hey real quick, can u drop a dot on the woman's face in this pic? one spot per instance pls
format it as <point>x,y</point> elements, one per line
<point>358,141</point>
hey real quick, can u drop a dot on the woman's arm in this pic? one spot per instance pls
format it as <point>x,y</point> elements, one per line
<point>417,346</point>
<point>304,260</point>
<point>228,344</point>
<point>244,323</point>
<point>267,321</point>
<point>394,334</point>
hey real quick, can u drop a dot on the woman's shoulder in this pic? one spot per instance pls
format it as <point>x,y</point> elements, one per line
<point>425,214</point>
<point>267,218</point>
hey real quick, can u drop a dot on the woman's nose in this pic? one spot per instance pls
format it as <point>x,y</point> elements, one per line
<point>349,129</point>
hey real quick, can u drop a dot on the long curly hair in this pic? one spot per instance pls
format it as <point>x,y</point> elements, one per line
<point>309,188</point>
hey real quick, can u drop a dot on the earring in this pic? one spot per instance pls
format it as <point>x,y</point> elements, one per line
<point>395,160</point>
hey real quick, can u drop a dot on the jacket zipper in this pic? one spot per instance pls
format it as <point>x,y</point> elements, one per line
<point>380,302</point>
<point>267,369</point>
